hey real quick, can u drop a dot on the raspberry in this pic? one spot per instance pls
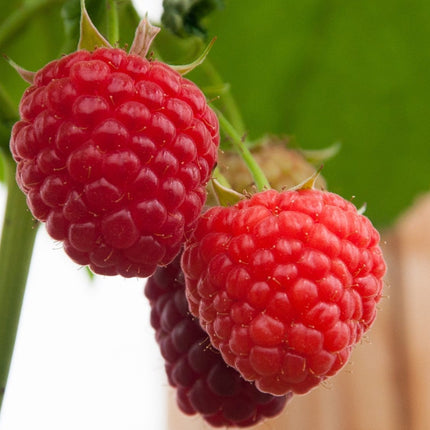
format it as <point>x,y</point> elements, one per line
<point>114,153</point>
<point>284,167</point>
<point>205,384</point>
<point>284,283</point>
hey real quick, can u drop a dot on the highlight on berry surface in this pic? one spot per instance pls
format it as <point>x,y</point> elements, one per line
<point>114,153</point>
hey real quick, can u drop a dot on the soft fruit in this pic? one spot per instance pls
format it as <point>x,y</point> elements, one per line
<point>284,283</point>
<point>204,383</point>
<point>114,152</point>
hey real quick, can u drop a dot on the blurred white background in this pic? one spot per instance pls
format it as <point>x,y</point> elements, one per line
<point>85,355</point>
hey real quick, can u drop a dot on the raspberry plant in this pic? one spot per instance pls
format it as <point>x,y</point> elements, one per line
<point>78,217</point>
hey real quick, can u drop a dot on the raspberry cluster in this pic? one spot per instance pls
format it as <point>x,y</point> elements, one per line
<point>114,152</point>
<point>204,383</point>
<point>270,295</point>
<point>284,283</point>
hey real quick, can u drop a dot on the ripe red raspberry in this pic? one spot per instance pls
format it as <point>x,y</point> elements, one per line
<point>114,153</point>
<point>205,384</point>
<point>284,283</point>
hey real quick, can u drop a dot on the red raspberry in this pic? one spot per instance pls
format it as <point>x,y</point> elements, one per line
<point>205,384</point>
<point>284,283</point>
<point>114,153</point>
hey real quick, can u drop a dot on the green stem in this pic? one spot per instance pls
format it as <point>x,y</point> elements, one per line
<point>132,14</point>
<point>227,101</point>
<point>240,143</point>
<point>8,116</point>
<point>17,19</point>
<point>18,234</point>
<point>112,22</point>
<point>8,110</point>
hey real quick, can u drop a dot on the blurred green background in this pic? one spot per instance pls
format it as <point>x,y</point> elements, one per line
<point>323,71</point>
<point>350,71</point>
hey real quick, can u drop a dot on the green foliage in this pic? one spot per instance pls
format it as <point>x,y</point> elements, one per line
<point>3,166</point>
<point>327,71</point>
<point>320,70</point>
<point>34,32</point>
<point>186,17</point>
<point>34,37</point>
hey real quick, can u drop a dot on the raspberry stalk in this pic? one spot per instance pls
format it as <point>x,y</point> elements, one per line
<point>15,255</point>
<point>112,21</point>
<point>241,145</point>
<point>226,99</point>
<point>15,248</point>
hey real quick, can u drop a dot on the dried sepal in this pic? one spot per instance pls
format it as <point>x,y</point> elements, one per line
<point>143,38</point>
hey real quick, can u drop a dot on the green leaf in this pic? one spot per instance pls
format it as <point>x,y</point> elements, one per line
<point>16,247</point>
<point>8,116</point>
<point>327,71</point>
<point>186,17</point>
<point>31,35</point>
<point>7,9</point>
<point>175,50</point>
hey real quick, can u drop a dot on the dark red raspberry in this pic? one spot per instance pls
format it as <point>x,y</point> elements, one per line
<point>284,283</point>
<point>114,153</point>
<point>205,384</point>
